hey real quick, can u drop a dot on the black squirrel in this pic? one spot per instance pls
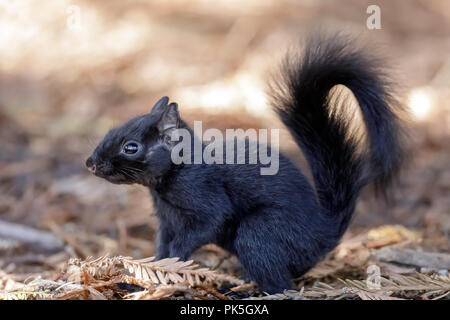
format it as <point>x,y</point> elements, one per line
<point>277,225</point>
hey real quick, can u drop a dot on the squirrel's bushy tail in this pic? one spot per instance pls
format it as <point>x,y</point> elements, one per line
<point>301,99</point>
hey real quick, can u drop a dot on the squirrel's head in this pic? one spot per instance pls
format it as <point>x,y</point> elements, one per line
<point>139,150</point>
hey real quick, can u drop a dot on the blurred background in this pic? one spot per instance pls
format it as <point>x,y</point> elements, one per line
<point>71,70</point>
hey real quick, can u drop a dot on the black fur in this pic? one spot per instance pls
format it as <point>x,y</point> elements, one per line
<point>277,226</point>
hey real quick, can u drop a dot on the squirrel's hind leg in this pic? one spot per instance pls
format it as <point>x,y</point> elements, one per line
<point>261,252</point>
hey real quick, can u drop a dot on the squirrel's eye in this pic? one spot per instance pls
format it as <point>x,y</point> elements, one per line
<point>130,148</point>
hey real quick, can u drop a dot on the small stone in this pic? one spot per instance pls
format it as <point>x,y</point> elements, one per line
<point>443,272</point>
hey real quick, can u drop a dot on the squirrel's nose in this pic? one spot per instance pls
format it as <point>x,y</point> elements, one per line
<point>92,169</point>
<point>90,165</point>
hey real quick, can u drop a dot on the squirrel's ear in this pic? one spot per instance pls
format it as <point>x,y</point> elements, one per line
<point>170,120</point>
<point>160,105</point>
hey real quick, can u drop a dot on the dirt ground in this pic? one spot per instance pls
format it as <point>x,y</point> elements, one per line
<point>69,72</point>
